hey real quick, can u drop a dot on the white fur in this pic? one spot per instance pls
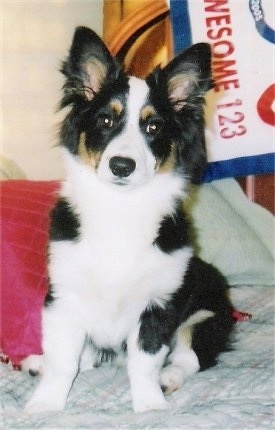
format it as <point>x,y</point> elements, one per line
<point>143,371</point>
<point>35,363</point>
<point>116,271</point>
<point>130,143</point>
<point>105,279</point>
<point>183,361</point>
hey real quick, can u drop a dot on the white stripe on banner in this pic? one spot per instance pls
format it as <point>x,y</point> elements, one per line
<point>241,33</point>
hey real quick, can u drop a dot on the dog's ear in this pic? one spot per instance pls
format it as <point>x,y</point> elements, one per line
<point>88,65</point>
<point>188,75</point>
<point>185,80</point>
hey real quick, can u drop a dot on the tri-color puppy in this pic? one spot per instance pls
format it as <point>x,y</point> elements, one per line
<point>122,271</point>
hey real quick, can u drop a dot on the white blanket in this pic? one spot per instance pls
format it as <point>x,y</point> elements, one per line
<point>234,234</point>
<point>236,394</point>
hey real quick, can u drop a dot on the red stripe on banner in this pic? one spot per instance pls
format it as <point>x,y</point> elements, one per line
<point>266,105</point>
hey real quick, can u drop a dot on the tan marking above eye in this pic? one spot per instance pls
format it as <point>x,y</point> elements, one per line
<point>116,106</point>
<point>147,112</point>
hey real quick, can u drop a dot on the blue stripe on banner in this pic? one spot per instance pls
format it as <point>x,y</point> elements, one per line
<point>242,166</point>
<point>181,27</point>
<point>182,37</point>
<point>258,14</point>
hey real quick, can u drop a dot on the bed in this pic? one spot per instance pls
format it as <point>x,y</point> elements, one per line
<point>233,233</point>
<point>237,393</point>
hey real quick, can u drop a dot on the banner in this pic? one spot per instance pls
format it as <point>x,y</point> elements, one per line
<point>240,112</point>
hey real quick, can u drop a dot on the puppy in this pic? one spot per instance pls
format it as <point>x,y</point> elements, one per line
<point>122,271</point>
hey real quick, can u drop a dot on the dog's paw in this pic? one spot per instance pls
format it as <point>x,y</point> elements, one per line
<point>149,400</point>
<point>150,405</point>
<point>38,404</point>
<point>33,407</point>
<point>171,379</point>
<point>33,364</point>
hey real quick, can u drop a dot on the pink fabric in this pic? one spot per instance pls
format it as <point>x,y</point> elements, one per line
<point>25,207</point>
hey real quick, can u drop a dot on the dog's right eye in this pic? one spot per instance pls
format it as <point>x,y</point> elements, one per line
<point>153,127</point>
<point>105,122</point>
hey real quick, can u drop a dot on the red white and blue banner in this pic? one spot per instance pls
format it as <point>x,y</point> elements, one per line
<point>240,113</point>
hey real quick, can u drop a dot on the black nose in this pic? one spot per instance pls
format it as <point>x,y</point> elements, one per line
<point>122,166</point>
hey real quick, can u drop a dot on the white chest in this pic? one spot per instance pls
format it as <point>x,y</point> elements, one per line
<point>114,270</point>
<point>109,294</point>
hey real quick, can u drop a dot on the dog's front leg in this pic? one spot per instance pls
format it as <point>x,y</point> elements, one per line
<point>62,344</point>
<point>143,370</point>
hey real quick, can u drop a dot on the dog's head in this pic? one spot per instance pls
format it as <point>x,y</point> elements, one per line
<point>127,129</point>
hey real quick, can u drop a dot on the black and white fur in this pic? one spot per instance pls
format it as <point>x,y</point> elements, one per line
<point>122,272</point>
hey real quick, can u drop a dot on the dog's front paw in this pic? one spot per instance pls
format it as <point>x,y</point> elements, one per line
<point>150,404</point>
<point>35,405</point>
<point>149,400</point>
<point>46,398</point>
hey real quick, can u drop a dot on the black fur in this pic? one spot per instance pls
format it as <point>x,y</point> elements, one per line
<point>64,225</point>
<point>49,299</point>
<point>181,121</point>
<point>174,232</point>
<point>84,114</point>
<point>186,123</point>
<point>203,288</point>
<point>85,45</point>
<point>175,108</point>
<point>64,222</point>
<point>157,326</point>
<point>208,289</point>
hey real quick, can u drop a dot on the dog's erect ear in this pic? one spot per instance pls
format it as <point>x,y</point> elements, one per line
<point>88,64</point>
<point>185,81</point>
<point>188,75</point>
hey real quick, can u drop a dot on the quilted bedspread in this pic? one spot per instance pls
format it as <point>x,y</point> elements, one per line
<point>236,394</point>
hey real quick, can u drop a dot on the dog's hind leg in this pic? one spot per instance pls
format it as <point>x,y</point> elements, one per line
<point>63,341</point>
<point>182,362</point>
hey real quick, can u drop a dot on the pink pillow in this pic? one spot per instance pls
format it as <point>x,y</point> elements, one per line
<point>25,207</point>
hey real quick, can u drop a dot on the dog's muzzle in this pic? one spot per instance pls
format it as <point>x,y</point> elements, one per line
<point>122,167</point>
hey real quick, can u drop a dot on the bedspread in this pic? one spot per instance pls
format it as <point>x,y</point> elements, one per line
<point>236,394</point>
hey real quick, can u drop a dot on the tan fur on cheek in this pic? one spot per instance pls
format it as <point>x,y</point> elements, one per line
<point>89,157</point>
<point>169,163</point>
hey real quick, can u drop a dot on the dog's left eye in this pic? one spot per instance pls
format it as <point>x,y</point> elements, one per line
<point>105,122</point>
<point>153,128</point>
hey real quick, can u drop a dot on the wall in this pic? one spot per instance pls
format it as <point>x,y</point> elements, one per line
<point>36,36</point>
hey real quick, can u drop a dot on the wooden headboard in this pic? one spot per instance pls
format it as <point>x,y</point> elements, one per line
<point>139,33</point>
